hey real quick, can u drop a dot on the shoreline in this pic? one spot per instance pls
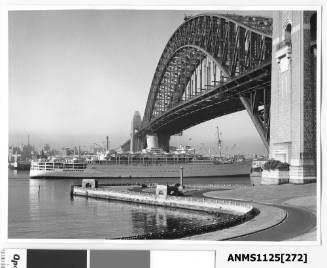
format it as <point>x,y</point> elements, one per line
<point>278,205</point>
<point>297,202</point>
<point>236,212</point>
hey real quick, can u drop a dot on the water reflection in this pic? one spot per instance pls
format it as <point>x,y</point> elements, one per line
<point>34,198</point>
<point>40,208</point>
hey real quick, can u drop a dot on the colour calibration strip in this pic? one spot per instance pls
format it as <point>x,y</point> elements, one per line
<point>38,258</point>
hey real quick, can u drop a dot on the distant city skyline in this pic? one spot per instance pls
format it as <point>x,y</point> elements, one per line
<point>194,137</point>
<point>78,76</point>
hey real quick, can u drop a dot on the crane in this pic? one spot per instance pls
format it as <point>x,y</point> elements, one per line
<point>219,141</point>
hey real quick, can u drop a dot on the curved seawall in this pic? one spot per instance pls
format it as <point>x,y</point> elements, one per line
<point>236,212</point>
<point>201,204</point>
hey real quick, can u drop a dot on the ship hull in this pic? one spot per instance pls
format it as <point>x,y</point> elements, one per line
<point>150,171</point>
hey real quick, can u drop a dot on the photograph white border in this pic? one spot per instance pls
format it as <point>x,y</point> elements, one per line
<point>145,244</point>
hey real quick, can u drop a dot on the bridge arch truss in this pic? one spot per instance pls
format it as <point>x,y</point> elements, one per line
<point>212,65</point>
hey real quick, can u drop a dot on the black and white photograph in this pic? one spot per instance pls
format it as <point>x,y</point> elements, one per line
<point>164,124</point>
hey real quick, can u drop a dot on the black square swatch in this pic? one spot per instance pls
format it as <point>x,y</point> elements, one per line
<point>56,258</point>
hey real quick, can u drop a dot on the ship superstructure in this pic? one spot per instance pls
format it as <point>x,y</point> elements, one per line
<point>147,164</point>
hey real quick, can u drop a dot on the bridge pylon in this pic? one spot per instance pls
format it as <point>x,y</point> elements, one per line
<point>293,93</point>
<point>158,140</point>
<point>136,141</point>
<point>163,141</point>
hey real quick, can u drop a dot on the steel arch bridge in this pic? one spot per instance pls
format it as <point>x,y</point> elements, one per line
<point>212,65</point>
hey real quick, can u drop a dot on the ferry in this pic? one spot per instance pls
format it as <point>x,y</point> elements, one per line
<point>153,163</point>
<point>58,167</point>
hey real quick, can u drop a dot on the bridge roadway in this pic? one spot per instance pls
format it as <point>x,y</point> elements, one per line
<point>299,221</point>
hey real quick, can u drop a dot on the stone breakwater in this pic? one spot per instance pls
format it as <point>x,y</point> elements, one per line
<point>236,212</point>
<point>237,208</point>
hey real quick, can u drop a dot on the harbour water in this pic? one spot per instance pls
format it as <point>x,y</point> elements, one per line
<point>43,208</point>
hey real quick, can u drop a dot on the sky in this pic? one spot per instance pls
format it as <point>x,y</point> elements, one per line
<point>76,76</point>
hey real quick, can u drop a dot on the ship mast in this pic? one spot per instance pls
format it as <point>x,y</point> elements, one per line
<point>219,141</point>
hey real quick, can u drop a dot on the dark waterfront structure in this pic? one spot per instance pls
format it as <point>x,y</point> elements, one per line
<point>215,65</point>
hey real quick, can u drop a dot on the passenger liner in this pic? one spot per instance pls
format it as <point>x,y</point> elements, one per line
<point>152,164</point>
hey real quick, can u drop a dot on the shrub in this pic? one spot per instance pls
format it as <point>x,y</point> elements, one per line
<point>276,165</point>
<point>283,166</point>
<point>271,165</point>
<point>256,169</point>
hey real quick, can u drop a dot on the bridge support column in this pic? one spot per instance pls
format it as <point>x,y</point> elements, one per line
<point>136,142</point>
<point>139,143</point>
<point>152,141</point>
<point>163,141</point>
<point>293,91</point>
<point>257,123</point>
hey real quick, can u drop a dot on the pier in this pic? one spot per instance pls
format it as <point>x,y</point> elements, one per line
<point>237,208</point>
